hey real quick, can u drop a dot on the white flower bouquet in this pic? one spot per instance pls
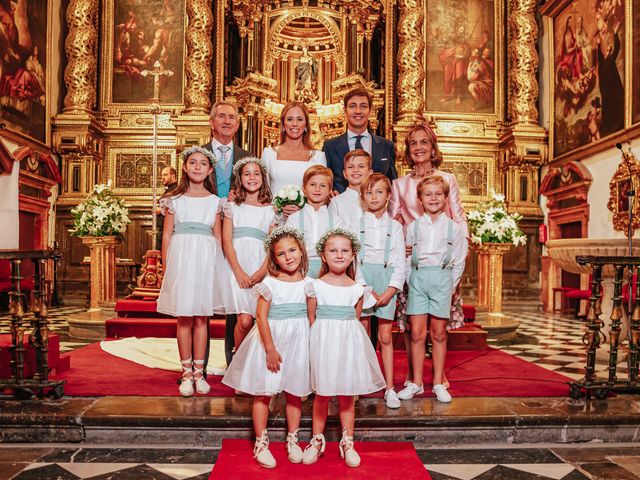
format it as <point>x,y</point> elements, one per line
<point>100,215</point>
<point>289,195</point>
<point>492,223</point>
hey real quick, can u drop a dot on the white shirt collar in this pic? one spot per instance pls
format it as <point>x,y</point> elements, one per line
<point>365,134</point>
<point>215,144</point>
<point>373,217</point>
<point>427,218</point>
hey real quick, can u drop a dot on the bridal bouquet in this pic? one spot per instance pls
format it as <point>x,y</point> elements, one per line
<point>289,195</point>
<point>492,223</point>
<point>100,215</point>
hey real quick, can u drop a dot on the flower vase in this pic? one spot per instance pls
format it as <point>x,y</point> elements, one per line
<point>490,257</point>
<point>103,270</point>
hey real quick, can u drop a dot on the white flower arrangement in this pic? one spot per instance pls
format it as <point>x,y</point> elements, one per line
<point>289,195</point>
<point>100,215</point>
<point>280,232</point>
<point>492,223</point>
<point>338,232</point>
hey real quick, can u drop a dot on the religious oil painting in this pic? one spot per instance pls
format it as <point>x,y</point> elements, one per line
<point>588,73</point>
<point>148,51</point>
<point>23,67</point>
<point>635,93</point>
<point>461,56</point>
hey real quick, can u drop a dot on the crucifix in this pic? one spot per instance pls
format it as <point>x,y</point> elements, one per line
<point>151,275</point>
<point>157,72</point>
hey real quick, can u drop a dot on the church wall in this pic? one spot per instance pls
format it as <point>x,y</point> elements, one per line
<point>9,238</point>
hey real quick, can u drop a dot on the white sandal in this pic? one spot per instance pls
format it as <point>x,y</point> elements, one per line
<point>201,383</point>
<point>294,452</point>
<point>186,383</point>
<point>314,450</point>
<point>261,451</point>
<point>347,450</point>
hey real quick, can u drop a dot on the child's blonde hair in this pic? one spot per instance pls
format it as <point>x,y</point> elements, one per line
<point>274,237</point>
<point>370,182</point>
<point>318,170</point>
<point>358,152</point>
<point>431,180</point>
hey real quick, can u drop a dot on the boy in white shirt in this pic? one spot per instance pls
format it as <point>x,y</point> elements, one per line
<point>357,167</point>
<point>314,219</point>
<point>382,265</point>
<point>438,253</point>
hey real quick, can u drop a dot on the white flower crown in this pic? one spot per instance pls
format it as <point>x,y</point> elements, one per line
<point>187,152</point>
<point>338,232</point>
<point>280,232</point>
<point>237,167</point>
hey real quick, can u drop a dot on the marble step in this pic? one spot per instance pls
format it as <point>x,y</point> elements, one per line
<point>202,421</point>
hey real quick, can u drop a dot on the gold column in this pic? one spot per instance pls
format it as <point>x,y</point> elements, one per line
<point>525,146</point>
<point>411,73</point>
<point>82,56</point>
<point>103,270</point>
<point>199,54</point>
<point>490,275</point>
<point>523,62</point>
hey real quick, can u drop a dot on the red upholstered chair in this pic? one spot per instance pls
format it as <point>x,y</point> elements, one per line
<point>26,284</point>
<point>625,291</point>
<point>580,296</point>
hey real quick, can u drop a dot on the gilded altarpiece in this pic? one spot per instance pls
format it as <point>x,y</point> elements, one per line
<point>263,53</point>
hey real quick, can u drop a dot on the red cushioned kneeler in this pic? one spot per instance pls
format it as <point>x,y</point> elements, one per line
<point>30,356</point>
<point>154,327</point>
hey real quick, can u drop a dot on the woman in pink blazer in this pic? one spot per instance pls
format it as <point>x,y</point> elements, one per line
<point>424,157</point>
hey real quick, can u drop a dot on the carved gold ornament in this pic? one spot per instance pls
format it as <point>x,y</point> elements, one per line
<point>199,54</point>
<point>81,49</point>
<point>410,68</point>
<point>625,178</point>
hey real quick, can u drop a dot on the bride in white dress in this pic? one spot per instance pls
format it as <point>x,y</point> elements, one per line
<point>288,161</point>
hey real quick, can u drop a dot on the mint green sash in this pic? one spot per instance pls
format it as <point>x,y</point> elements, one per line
<point>192,228</point>
<point>251,232</point>
<point>336,312</point>
<point>285,311</point>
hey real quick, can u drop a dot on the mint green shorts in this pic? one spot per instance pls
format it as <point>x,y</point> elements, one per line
<point>430,291</point>
<point>378,277</point>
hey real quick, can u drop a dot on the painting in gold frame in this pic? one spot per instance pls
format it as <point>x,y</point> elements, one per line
<point>25,87</point>
<point>625,179</point>
<point>462,57</point>
<point>587,47</point>
<point>143,36</point>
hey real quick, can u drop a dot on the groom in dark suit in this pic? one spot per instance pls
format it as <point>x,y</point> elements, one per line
<point>357,106</point>
<point>224,121</point>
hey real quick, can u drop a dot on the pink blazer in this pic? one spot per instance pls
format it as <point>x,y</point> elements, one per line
<point>404,200</point>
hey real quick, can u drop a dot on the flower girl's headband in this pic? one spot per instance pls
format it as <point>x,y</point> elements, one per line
<point>338,232</point>
<point>196,149</point>
<point>237,167</point>
<point>280,232</point>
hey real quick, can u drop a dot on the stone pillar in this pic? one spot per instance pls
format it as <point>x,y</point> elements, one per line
<point>199,79</point>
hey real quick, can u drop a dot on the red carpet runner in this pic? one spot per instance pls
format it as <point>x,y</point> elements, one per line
<point>380,461</point>
<point>489,373</point>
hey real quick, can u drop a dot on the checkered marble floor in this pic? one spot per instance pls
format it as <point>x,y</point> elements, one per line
<point>541,463</point>
<point>553,342</point>
<point>57,324</point>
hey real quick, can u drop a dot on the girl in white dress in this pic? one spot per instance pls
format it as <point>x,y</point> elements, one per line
<point>247,221</point>
<point>191,255</point>
<point>343,361</point>
<point>275,355</point>
<point>315,218</point>
<point>287,162</point>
